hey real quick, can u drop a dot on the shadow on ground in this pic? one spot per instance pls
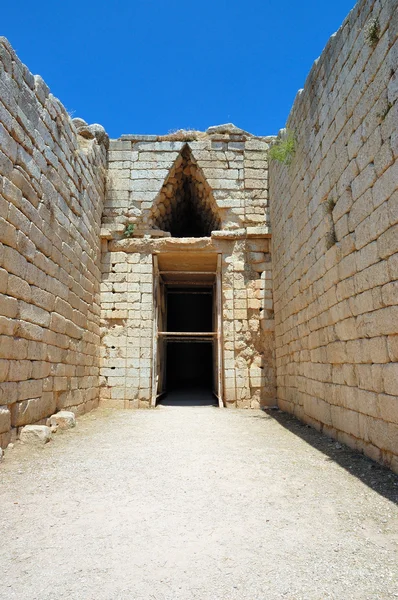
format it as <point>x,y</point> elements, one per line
<point>189,397</point>
<point>378,478</point>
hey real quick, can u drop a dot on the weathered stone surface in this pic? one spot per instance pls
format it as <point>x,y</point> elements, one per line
<point>334,239</point>
<point>63,419</point>
<point>35,435</point>
<point>227,128</point>
<point>85,131</point>
<point>5,419</point>
<point>51,202</point>
<point>77,122</point>
<point>33,409</point>
<point>100,134</point>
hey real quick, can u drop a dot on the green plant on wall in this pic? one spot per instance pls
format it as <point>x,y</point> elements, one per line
<point>372,31</point>
<point>129,231</point>
<point>329,206</point>
<point>283,148</point>
<point>331,238</point>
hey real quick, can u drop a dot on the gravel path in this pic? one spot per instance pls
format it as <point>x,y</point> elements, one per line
<point>195,502</point>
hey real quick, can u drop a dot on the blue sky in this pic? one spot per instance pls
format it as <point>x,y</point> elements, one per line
<point>153,66</point>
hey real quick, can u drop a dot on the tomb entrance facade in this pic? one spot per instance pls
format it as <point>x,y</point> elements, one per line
<point>186,269</point>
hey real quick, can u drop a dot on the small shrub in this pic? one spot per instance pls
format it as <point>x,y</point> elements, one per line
<point>329,205</point>
<point>331,239</point>
<point>181,135</point>
<point>372,31</point>
<point>283,149</point>
<point>129,231</point>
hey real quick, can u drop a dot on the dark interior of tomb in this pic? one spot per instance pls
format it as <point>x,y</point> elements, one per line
<point>187,221</point>
<point>189,364</point>
<point>190,309</point>
<point>190,217</point>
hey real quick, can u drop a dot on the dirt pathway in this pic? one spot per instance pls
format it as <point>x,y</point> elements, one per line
<point>182,503</point>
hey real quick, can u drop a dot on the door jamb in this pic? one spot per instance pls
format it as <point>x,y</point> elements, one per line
<point>155,331</point>
<point>220,340</point>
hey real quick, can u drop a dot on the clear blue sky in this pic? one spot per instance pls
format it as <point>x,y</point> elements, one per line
<point>152,66</point>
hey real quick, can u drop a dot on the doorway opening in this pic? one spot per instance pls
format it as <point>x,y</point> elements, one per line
<point>189,365</point>
<point>189,346</point>
<point>187,341</point>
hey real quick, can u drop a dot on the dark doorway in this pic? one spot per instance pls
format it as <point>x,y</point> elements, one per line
<point>190,310</point>
<point>189,359</point>
<point>189,364</point>
<point>191,210</point>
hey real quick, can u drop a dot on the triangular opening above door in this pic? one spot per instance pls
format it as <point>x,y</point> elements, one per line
<point>185,206</point>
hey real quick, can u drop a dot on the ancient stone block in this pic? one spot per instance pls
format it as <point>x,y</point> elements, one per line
<point>63,420</point>
<point>35,435</point>
<point>5,419</point>
<point>32,410</point>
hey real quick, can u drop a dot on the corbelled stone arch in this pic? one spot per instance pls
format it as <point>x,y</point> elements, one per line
<point>185,206</point>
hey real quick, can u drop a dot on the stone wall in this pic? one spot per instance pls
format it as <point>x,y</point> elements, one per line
<point>51,200</point>
<point>127,320</point>
<point>233,165</point>
<point>248,321</point>
<point>247,315</point>
<point>225,173</point>
<point>334,213</point>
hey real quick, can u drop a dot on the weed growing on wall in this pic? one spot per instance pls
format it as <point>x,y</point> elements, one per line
<point>372,31</point>
<point>283,148</point>
<point>129,231</point>
<point>181,135</point>
<point>330,204</point>
<point>331,238</point>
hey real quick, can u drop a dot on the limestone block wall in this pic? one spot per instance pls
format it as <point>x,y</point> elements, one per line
<point>128,311</point>
<point>248,324</point>
<point>233,165</point>
<point>127,320</point>
<point>334,213</point>
<point>51,200</point>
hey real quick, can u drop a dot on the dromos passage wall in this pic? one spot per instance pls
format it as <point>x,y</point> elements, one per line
<point>334,215</point>
<point>51,202</point>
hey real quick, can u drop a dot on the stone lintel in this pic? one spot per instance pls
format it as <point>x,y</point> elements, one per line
<point>159,245</point>
<point>154,246</point>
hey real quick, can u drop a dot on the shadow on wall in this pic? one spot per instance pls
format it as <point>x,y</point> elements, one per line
<point>378,478</point>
